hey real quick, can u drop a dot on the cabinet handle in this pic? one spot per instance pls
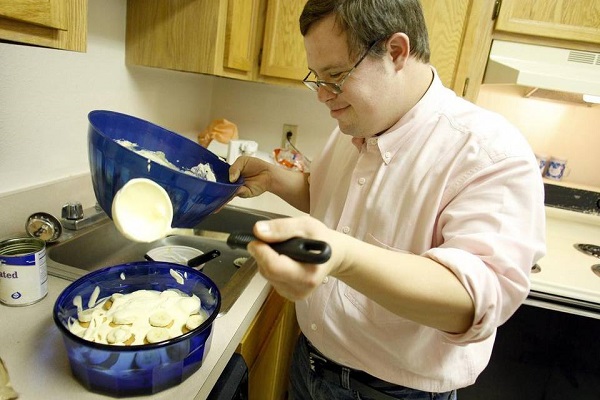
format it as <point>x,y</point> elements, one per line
<point>465,87</point>
<point>496,12</point>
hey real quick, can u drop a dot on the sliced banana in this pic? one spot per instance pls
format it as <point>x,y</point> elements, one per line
<point>194,321</point>
<point>107,304</point>
<point>122,334</point>
<point>85,316</point>
<point>156,335</point>
<point>161,319</point>
<point>189,305</point>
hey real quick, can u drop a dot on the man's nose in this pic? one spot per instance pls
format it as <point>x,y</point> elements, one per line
<point>324,94</point>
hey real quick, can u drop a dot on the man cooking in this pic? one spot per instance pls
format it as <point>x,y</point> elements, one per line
<point>433,208</point>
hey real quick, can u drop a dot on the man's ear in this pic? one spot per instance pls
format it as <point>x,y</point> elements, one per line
<point>398,46</point>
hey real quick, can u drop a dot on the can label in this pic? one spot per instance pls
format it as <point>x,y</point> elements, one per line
<point>23,271</point>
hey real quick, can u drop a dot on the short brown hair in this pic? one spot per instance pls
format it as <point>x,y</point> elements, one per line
<point>367,21</point>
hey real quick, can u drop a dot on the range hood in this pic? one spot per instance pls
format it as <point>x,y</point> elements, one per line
<point>543,67</point>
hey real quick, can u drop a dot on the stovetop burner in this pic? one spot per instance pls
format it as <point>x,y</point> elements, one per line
<point>589,249</point>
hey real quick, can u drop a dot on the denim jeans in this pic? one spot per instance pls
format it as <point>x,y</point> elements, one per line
<point>307,384</point>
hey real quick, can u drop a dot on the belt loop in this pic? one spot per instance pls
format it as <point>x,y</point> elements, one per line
<point>345,378</point>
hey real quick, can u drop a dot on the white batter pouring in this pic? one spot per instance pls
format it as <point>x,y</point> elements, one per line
<point>142,211</point>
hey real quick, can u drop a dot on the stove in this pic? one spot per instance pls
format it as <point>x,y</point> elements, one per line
<point>568,276</point>
<point>589,249</point>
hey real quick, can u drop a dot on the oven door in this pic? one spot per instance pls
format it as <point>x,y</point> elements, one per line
<point>541,353</point>
<point>563,304</point>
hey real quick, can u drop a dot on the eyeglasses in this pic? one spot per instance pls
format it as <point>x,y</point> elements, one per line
<point>335,87</point>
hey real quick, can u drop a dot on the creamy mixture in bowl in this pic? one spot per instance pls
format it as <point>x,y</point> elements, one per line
<point>202,171</point>
<point>139,317</point>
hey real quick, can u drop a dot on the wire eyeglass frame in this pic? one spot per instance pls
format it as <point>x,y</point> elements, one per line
<point>335,87</point>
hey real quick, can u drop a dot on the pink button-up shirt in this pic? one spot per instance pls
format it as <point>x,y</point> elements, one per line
<point>452,182</point>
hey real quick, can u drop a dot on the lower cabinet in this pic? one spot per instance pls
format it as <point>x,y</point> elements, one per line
<point>267,348</point>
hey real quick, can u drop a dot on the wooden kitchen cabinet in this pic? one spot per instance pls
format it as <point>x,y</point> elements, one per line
<point>460,40</point>
<point>250,40</point>
<point>576,20</point>
<point>59,24</point>
<point>283,54</point>
<point>267,348</point>
<point>446,22</point>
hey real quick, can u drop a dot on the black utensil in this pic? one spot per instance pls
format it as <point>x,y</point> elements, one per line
<point>203,258</point>
<point>300,249</point>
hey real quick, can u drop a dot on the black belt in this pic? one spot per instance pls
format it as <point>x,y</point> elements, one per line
<point>358,380</point>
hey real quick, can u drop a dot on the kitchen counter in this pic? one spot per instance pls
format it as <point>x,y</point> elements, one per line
<point>33,352</point>
<point>32,349</point>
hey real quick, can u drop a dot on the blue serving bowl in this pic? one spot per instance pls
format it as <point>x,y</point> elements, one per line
<point>112,165</point>
<point>117,370</point>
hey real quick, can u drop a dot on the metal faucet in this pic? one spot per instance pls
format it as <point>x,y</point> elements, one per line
<point>74,217</point>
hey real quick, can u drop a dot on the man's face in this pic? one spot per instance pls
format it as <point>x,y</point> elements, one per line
<point>363,109</point>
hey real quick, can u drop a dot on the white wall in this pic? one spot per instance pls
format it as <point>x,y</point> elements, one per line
<point>45,96</point>
<point>260,110</point>
<point>553,127</point>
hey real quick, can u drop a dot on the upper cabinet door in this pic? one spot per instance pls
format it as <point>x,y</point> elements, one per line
<point>51,14</point>
<point>283,54</point>
<point>217,37</point>
<point>240,37</point>
<point>446,22</point>
<point>577,20</point>
<point>60,24</point>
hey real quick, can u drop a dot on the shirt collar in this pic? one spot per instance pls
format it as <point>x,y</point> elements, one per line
<point>389,142</point>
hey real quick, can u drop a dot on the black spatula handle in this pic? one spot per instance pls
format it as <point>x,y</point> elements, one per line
<point>300,249</point>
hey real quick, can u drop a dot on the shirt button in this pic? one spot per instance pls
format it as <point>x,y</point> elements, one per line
<point>387,155</point>
<point>346,229</point>
<point>373,141</point>
<point>326,279</point>
<point>361,181</point>
<point>313,327</point>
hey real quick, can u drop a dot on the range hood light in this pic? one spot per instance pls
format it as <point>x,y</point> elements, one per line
<point>588,98</point>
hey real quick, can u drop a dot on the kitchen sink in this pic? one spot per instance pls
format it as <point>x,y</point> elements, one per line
<point>101,245</point>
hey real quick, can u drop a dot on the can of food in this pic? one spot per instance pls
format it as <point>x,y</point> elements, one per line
<point>23,271</point>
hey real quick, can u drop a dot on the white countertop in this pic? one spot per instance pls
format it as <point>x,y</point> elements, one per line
<point>33,352</point>
<point>32,349</point>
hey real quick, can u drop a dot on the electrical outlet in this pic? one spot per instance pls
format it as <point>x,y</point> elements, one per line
<point>287,129</point>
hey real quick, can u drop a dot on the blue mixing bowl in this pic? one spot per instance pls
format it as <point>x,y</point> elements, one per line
<point>137,369</point>
<point>112,165</point>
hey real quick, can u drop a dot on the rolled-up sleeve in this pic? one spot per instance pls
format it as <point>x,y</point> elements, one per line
<point>490,234</point>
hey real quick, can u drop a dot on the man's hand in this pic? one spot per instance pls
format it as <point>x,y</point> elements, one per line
<point>292,279</point>
<point>256,174</point>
